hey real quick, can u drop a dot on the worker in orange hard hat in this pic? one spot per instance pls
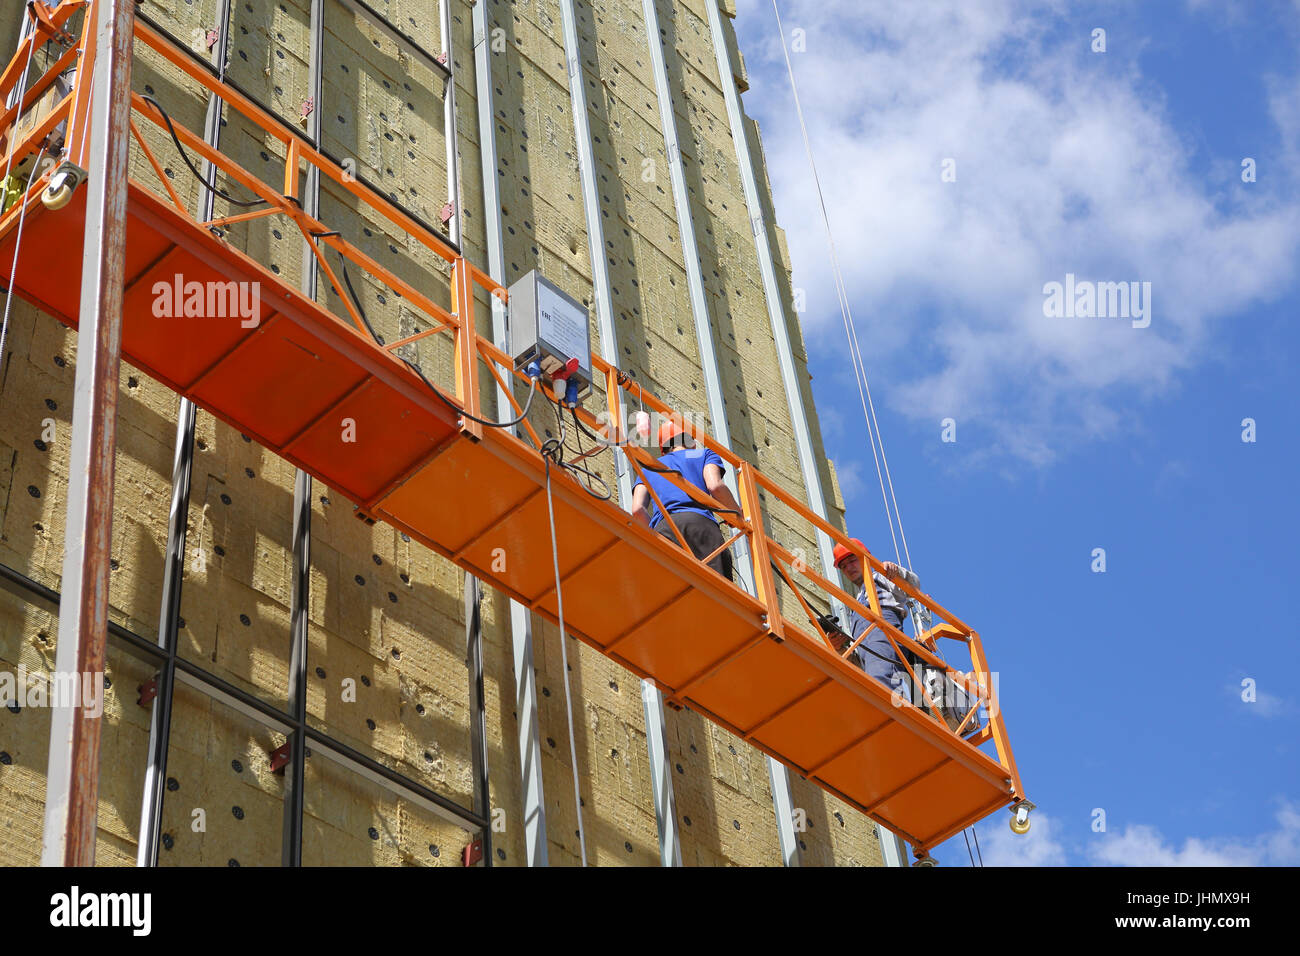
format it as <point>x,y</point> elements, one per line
<point>700,467</point>
<point>875,653</point>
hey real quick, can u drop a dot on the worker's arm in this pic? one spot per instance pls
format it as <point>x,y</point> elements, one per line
<point>640,497</point>
<point>713,482</point>
<point>895,571</point>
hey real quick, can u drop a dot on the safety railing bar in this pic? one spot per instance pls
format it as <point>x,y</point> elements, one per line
<point>970,713</point>
<point>465,349</point>
<point>14,70</point>
<point>996,725</point>
<point>913,719</point>
<point>230,93</point>
<point>808,611</point>
<point>399,285</point>
<point>872,618</point>
<point>417,336</point>
<point>918,684</point>
<point>379,196</point>
<point>655,404</point>
<point>509,394</point>
<point>334,281</point>
<point>840,538</point>
<point>304,222</point>
<point>158,170</point>
<point>764,581</point>
<point>722,547</point>
<point>37,89</point>
<point>75,139</point>
<point>640,456</point>
<point>222,221</point>
<point>681,539</point>
<point>30,143</point>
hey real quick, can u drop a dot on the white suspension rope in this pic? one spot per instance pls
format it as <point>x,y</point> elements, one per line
<point>859,368</point>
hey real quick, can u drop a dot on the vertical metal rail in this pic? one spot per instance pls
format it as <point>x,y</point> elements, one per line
<point>521,624</point>
<point>652,699</point>
<point>473,589</point>
<point>300,599</point>
<point>72,781</point>
<point>776,313</point>
<point>782,803</point>
<point>174,560</point>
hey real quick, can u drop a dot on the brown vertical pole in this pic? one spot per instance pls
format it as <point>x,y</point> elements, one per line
<point>72,783</point>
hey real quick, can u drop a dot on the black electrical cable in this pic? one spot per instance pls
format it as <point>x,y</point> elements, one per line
<point>185,158</point>
<point>361,311</point>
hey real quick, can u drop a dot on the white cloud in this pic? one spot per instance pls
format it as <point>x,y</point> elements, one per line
<point>1141,845</point>
<point>1000,847</point>
<point>1067,161</point>
<point>1256,701</point>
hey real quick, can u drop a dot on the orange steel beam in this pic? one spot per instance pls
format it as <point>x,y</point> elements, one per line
<point>997,728</point>
<point>157,168</point>
<point>467,353</point>
<point>764,583</point>
<point>222,221</point>
<point>681,539</point>
<point>80,115</point>
<point>38,88</point>
<point>874,619</point>
<point>45,20</point>
<point>269,124</point>
<point>31,142</point>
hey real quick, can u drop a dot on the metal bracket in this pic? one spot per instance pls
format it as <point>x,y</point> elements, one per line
<point>447,211</point>
<point>147,691</point>
<point>280,758</point>
<point>473,853</point>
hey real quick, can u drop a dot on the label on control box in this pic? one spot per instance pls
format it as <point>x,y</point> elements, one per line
<point>562,326</point>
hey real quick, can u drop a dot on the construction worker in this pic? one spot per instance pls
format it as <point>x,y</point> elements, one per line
<point>700,467</point>
<point>876,654</point>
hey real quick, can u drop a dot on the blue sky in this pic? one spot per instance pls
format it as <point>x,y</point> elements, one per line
<point>1122,690</point>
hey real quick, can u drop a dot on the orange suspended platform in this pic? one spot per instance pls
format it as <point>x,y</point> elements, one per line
<point>477,494</point>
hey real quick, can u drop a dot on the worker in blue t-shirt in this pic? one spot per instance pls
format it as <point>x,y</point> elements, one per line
<point>696,466</point>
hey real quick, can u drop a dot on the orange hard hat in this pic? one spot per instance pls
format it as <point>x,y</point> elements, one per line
<point>669,430</point>
<point>841,551</point>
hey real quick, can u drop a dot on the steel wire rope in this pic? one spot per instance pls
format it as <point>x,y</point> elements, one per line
<point>874,435</point>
